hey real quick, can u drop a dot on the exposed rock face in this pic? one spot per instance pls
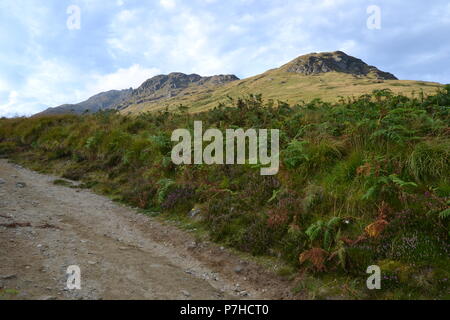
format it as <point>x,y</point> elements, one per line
<point>168,86</point>
<point>220,79</point>
<point>101,101</point>
<point>338,61</point>
<point>172,81</point>
<point>177,80</point>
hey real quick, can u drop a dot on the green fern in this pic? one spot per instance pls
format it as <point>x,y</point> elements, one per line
<point>445,214</point>
<point>327,229</point>
<point>314,230</point>
<point>275,194</point>
<point>164,186</point>
<point>402,183</point>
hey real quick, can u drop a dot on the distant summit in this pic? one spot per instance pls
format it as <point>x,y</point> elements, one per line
<point>338,61</point>
<point>174,84</point>
<point>102,101</point>
<point>326,76</point>
<point>157,88</point>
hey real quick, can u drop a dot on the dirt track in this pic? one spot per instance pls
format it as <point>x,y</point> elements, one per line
<point>121,254</point>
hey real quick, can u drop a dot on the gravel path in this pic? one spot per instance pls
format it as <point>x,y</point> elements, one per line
<point>44,228</point>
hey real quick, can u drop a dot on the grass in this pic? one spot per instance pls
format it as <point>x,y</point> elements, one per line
<point>8,294</point>
<point>291,88</point>
<point>363,181</point>
<point>64,183</point>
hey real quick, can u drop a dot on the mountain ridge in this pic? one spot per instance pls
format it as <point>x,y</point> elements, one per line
<point>325,75</point>
<point>338,61</point>
<point>153,89</point>
<point>101,101</point>
<point>167,86</point>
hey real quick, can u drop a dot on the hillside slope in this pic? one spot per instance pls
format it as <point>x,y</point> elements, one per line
<point>319,75</point>
<point>361,182</point>
<point>176,84</point>
<point>101,101</point>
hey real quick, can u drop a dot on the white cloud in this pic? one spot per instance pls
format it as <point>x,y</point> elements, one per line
<point>4,85</point>
<point>46,84</point>
<point>236,28</point>
<point>168,4</point>
<point>198,40</point>
<point>8,109</point>
<point>185,41</point>
<point>123,78</point>
<point>52,83</point>
<point>43,65</point>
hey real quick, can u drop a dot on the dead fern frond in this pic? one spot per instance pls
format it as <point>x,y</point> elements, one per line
<point>376,228</point>
<point>316,256</point>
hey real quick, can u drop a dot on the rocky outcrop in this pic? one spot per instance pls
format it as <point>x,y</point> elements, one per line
<point>157,88</point>
<point>338,61</point>
<point>167,86</point>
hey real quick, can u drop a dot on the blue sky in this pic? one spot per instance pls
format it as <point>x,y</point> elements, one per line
<point>121,43</point>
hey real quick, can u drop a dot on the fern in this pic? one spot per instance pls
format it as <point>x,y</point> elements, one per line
<point>296,154</point>
<point>445,214</point>
<point>274,195</point>
<point>314,230</point>
<point>333,222</point>
<point>326,228</point>
<point>164,186</point>
<point>401,183</point>
<point>370,193</point>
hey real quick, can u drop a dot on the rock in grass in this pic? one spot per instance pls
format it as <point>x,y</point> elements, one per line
<point>238,269</point>
<point>194,212</point>
<point>185,293</point>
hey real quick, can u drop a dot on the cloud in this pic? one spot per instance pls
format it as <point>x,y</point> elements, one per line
<point>168,4</point>
<point>123,78</point>
<point>185,41</point>
<point>47,86</point>
<point>44,64</point>
<point>8,109</point>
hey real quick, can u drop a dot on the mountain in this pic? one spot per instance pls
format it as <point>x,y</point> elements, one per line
<point>176,84</point>
<point>101,101</point>
<point>326,75</point>
<point>317,63</point>
<point>158,88</point>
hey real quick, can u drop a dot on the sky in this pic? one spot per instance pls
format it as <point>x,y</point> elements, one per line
<point>64,51</point>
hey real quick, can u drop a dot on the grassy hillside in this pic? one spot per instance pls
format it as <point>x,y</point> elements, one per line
<point>363,181</point>
<point>278,84</point>
<point>327,76</point>
<point>163,87</point>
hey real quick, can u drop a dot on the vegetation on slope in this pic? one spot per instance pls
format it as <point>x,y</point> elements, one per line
<point>363,181</point>
<point>288,87</point>
<point>326,76</point>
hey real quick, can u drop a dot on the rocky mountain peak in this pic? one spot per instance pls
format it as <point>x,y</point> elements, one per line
<point>338,61</point>
<point>177,80</point>
<point>171,85</point>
